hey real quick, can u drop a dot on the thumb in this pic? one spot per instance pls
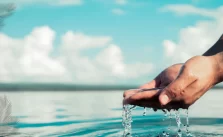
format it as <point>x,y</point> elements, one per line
<point>175,89</point>
<point>167,95</point>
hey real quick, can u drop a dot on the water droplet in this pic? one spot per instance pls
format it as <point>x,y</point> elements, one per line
<point>165,113</point>
<point>167,135</point>
<point>144,113</point>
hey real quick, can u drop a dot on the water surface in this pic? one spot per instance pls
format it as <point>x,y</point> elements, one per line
<point>93,113</point>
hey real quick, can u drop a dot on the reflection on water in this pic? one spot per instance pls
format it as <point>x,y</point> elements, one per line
<point>100,114</point>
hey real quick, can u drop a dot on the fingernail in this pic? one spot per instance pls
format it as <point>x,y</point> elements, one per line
<point>165,99</point>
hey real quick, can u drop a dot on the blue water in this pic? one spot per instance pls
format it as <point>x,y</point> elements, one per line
<point>89,114</point>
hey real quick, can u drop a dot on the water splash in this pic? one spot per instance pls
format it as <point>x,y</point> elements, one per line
<point>127,120</point>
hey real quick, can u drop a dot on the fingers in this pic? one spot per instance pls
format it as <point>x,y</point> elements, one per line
<point>136,98</point>
<point>151,84</point>
<point>177,88</point>
<point>130,92</point>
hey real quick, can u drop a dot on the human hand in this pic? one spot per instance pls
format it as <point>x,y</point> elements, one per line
<point>162,80</point>
<point>196,77</point>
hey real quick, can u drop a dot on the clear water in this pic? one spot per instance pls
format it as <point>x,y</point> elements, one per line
<point>127,120</point>
<point>99,114</point>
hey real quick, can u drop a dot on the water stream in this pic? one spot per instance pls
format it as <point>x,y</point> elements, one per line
<point>127,122</point>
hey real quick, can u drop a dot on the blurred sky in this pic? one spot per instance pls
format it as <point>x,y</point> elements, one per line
<point>104,41</point>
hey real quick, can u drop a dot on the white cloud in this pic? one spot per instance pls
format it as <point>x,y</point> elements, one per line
<point>169,48</point>
<point>111,59</point>
<point>121,2</point>
<point>29,59</point>
<point>69,2</point>
<point>184,9</point>
<point>50,2</point>
<point>107,66</point>
<point>37,48</point>
<point>196,39</point>
<point>118,11</point>
<point>78,41</point>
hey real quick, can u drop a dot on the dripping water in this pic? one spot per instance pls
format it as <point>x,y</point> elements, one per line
<point>165,114</point>
<point>188,134</point>
<point>170,119</point>
<point>127,120</point>
<point>144,113</point>
<point>165,134</point>
<point>177,115</point>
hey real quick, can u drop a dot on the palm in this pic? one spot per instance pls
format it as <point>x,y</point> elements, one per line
<point>162,80</point>
<point>169,74</point>
<point>165,77</point>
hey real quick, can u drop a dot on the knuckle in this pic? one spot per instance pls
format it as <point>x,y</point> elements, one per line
<point>176,89</point>
<point>171,93</point>
<point>182,92</point>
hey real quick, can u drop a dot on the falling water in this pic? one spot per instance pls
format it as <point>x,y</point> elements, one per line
<point>126,120</point>
<point>170,119</point>
<point>165,114</point>
<point>165,134</point>
<point>187,125</point>
<point>177,115</point>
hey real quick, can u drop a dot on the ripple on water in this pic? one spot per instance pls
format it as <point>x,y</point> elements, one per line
<point>148,126</point>
<point>44,118</point>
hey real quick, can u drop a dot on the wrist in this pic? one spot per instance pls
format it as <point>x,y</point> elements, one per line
<point>218,63</point>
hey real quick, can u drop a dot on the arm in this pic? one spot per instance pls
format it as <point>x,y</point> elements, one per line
<point>217,52</point>
<point>216,48</point>
<point>194,78</point>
